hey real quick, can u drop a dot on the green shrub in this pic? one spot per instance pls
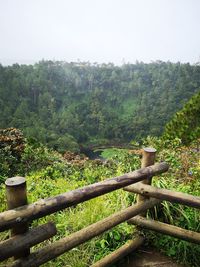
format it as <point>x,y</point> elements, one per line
<point>48,174</point>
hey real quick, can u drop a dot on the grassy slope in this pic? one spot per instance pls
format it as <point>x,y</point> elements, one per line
<point>60,176</point>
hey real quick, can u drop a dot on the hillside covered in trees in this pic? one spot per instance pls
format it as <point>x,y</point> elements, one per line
<point>66,105</point>
<point>69,104</point>
<point>185,123</point>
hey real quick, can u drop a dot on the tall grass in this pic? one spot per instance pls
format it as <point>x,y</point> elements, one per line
<point>60,176</point>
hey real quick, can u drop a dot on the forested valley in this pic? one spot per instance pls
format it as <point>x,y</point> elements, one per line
<point>68,105</point>
<point>51,110</point>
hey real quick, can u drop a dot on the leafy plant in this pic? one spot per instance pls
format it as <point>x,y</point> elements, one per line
<point>185,123</point>
<point>49,174</point>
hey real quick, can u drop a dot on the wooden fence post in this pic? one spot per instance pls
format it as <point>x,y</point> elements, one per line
<point>16,197</point>
<point>47,206</point>
<point>148,159</point>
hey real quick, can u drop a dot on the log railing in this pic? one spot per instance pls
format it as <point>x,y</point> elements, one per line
<point>20,214</point>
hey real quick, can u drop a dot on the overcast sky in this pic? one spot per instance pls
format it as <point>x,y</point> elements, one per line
<point>115,31</point>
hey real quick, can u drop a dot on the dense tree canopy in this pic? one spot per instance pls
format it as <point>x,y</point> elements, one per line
<point>185,123</point>
<point>79,103</point>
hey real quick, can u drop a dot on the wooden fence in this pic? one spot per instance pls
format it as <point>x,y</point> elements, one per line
<point>20,214</point>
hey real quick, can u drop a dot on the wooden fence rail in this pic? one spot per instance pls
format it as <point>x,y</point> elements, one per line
<point>44,207</point>
<point>121,252</point>
<point>166,229</point>
<point>18,243</point>
<point>138,182</point>
<point>164,194</point>
<point>65,244</point>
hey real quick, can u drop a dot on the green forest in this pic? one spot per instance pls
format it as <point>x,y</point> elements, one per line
<point>51,110</point>
<point>70,105</point>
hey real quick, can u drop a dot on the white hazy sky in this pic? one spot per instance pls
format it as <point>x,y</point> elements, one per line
<point>99,30</point>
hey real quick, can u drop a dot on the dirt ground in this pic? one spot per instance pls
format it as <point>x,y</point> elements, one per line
<point>146,257</point>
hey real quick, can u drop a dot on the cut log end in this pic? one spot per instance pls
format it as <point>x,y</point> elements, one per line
<point>149,149</point>
<point>15,181</point>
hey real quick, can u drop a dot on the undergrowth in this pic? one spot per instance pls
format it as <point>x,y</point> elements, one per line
<point>48,174</point>
<point>183,176</point>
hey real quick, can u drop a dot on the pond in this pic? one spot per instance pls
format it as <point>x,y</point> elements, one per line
<point>93,154</point>
<point>102,153</point>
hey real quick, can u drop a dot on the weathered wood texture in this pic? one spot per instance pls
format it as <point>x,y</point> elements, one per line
<point>65,244</point>
<point>164,194</point>
<point>16,197</point>
<point>166,229</point>
<point>120,253</point>
<point>18,243</point>
<point>50,205</point>
<point>148,159</point>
